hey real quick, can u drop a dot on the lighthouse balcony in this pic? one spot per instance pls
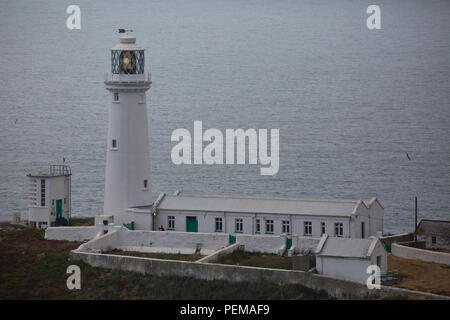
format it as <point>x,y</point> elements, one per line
<point>128,78</point>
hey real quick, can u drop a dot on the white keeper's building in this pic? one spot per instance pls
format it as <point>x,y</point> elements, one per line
<point>262,215</point>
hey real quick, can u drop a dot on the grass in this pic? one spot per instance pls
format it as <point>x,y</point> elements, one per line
<point>242,258</point>
<point>34,268</point>
<point>166,256</point>
<point>420,275</point>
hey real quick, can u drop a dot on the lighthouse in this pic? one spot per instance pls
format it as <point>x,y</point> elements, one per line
<point>127,176</point>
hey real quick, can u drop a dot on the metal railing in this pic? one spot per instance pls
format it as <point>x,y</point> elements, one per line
<point>60,169</point>
<point>128,78</point>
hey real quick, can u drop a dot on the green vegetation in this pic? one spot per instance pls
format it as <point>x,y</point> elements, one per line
<point>34,268</point>
<point>80,222</point>
<point>256,260</point>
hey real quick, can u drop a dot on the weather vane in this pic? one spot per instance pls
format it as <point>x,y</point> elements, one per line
<point>125,31</point>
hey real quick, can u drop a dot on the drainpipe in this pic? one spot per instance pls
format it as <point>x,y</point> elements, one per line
<point>253,223</point>
<point>225,222</point>
<point>415,220</point>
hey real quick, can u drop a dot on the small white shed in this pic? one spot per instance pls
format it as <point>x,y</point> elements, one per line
<point>348,258</point>
<point>49,197</point>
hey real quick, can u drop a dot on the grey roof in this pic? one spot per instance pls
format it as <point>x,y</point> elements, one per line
<point>347,247</point>
<point>254,204</point>
<point>434,227</point>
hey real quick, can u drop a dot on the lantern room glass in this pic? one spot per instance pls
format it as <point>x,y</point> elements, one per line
<point>127,62</point>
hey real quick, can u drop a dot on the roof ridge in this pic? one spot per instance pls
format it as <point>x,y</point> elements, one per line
<point>432,220</point>
<point>256,197</point>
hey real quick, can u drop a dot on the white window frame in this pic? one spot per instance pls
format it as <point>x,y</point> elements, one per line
<point>307,228</point>
<point>218,222</point>
<point>269,226</point>
<point>323,228</point>
<point>114,142</point>
<point>238,225</point>
<point>338,229</point>
<point>171,223</point>
<point>286,226</point>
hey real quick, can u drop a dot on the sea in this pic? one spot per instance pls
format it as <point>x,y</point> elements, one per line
<point>361,112</point>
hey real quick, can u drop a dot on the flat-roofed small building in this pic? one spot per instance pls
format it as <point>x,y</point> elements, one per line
<point>49,197</point>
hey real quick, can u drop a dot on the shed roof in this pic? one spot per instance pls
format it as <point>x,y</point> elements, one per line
<point>434,227</point>
<point>346,247</point>
<point>254,204</point>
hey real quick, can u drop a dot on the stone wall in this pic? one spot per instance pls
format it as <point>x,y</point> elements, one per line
<point>261,243</point>
<point>172,242</point>
<point>332,286</point>
<point>424,255</point>
<point>71,233</point>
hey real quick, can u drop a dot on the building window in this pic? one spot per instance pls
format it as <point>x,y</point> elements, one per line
<point>219,225</point>
<point>141,98</point>
<point>145,184</point>
<point>379,261</point>
<point>239,225</point>
<point>116,97</point>
<point>307,227</point>
<point>53,202</point>
<point>42,192</point>
<point>363,230</point>
<point>286,226</point>
<point>114,144</point>
<point>322,228</point>
<point>269,226</point>
<point>338,229</point>
<point>433,239</point>
<point>65,200</point>
<point>257,226</point>
<point>171,223</point>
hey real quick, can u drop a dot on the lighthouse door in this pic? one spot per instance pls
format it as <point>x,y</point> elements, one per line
<point>59,208</point>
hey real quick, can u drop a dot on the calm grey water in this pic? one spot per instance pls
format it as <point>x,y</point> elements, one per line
<point>349,102</point>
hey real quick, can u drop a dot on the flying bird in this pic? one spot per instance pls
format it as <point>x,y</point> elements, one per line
<point>407,155</point>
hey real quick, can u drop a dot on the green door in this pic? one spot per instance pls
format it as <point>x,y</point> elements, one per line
<point>288,243</point>
<point>191,224</point>
<point>58,208</point>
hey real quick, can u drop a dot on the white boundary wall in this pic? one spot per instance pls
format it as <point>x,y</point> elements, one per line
<point>338,288</point>
<point>71,233</point>
<point>420,254</point>
<point>171,242</point>
<point>261,243</point>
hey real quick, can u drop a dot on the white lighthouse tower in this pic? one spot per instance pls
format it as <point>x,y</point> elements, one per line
<point>127,178</point>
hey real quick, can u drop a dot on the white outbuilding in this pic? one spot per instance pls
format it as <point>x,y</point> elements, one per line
<point>349,258</point>
<point>50,197</point>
